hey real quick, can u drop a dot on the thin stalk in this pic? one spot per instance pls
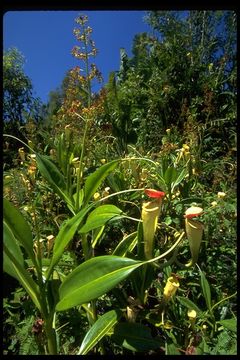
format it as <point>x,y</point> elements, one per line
<point>85,246</point>
<point>14,137</point>
<point>170,261</point>
<point>117,193</point>
<point>168,251</point>
<point>79,177</point>
<point>142,292</point>
<point>226,298</point>
<point>94,310</point>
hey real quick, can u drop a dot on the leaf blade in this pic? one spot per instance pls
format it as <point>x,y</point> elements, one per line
<point>206,290</point>
<point>135,337</point>
<point>94,278</point>
<point>128,243</point>
<point>19,227</point>
<point>13,246</point>
<point>54,177</point>
<point>99,329</point>
<point>230,324</point>
<point>25,279</point>
<point>95,179</point>
<point>189,304</point>
<point>65,235</point>
<point>99,216</point>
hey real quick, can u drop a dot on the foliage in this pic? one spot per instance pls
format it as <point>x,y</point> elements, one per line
<point>19,105</point>
<point>106,266</point>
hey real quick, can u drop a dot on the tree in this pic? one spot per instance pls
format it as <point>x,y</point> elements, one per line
<point>183,74</point>
<point>19,105</point>
<point>18,101</point>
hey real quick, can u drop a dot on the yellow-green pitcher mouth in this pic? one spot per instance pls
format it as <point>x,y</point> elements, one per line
<point>171,287</point>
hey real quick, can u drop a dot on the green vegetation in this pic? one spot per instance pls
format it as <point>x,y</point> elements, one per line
<point>120,206</point>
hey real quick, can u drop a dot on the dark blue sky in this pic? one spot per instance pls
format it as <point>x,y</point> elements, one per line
<point>46,39</point>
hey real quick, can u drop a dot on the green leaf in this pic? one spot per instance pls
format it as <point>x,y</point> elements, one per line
<point>134,337</point>
<point>189,304</point>
<point>170,175</point>
<point>206,290</point>
<point>230,324</point>
<point>180,177</point>
<point>13,246</point>
<point>94,180</point>
<point>24,278</point>
<point>54,177</point>
<point>19,227</point>
<point>50,172</point>
<point>65,235</point>
<point>127,244</point>
<point>96,236</point>
<point>99,217</point>
<point>171,349</point>
<point>94,278</point>
<point>99,329</point>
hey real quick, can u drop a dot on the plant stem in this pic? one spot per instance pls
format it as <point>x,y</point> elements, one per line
<point>51,337</point>
<point>79,177</point>
<point>85,246</point>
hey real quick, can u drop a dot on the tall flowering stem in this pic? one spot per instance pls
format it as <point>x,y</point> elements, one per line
<point>150,213</point>
<point>83,53</point>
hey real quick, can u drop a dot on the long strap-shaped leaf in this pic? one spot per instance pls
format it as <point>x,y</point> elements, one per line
<point>206,290</point>
<point>95,179</point>
<point>19,227</point>
<point>99,329</point>
<point>97,276</point>
<point>180,177</point>
<point>94,278</point>
<point>12,244</point>
<point>54,177</point>
<point>65,235</point>
<point>189,304</point>
<point>126,244</point>
<point>100,216</point>
<point>25,279</point>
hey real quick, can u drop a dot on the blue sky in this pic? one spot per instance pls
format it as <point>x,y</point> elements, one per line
<point>46,39</point>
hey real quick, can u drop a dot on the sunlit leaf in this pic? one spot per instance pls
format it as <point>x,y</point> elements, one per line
<point>127,244</point>
<point>99,329</point>
<point>65,235</point>
<point>99,217</point>
<point>24,278</point>
<point>94,278</point>
<point>13,246</point>
<point>19,227</point>
<point>94,180</point>
<point>179,178</point>
<point>53,176</point>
